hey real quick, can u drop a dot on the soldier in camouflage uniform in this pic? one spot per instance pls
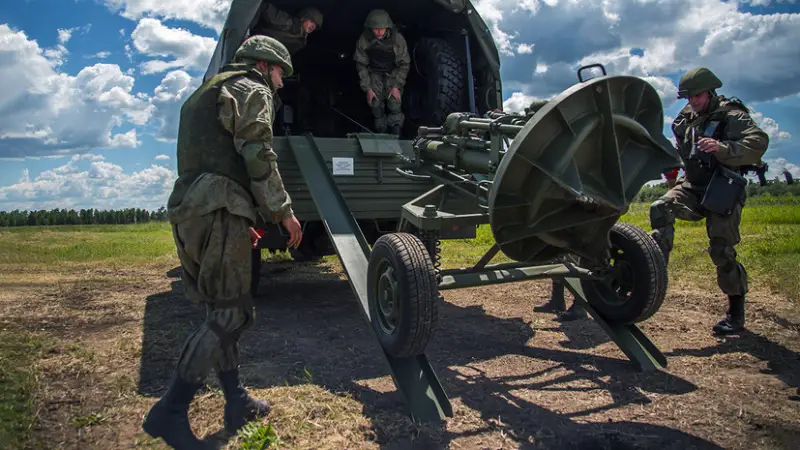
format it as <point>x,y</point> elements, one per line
<point>292,32</point>
<point>721,132</point>
<point>226,169</point>
<point>382,62</point>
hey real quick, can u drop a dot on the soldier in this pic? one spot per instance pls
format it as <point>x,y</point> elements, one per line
<point>715,136</point>
<point>292,32</point>
<point>382,61</point>
<point>226,169</point>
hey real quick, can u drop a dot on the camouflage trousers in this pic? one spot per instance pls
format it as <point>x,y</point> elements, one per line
<point>683,203</point>
<point>382,101</point>
<point>214,251</point>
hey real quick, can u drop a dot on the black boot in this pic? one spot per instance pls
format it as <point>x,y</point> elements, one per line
<point>574,312</point>
<point>394,130</point>
<point>556,303</point>
<point>168,419</point>
<point>240,408</point>
<point>734,320</point>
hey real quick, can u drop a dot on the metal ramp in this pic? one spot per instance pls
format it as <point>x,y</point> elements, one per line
<point>414,377</point>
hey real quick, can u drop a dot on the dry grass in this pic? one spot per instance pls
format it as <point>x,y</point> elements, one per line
<point>93,347</point>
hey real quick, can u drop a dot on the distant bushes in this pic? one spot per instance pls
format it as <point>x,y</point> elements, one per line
<point>89,216</point>
<point>649,194</point>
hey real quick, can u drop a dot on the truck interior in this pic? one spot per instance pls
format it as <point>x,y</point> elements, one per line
<point>323,97</point>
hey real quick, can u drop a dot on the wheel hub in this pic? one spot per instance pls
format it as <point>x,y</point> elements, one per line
<point>388,302</point>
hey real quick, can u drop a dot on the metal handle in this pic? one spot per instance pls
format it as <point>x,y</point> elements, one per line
<point>589,67</point>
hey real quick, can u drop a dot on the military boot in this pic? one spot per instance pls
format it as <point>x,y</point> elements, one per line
<point>168,419</point>
<point>734,320</point>
<point>395,130</point>
<point>556,302</point>
<point>240,407</point>
<point>574,312</point>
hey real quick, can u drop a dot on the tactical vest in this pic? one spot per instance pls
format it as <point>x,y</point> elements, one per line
<point>713,126</point>
<point>204,145</point>
<point>381,55</point>
<point>294,40</point>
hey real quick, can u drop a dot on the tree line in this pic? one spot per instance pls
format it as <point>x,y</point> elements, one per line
<point>89,216</point>
<point>773,188</point>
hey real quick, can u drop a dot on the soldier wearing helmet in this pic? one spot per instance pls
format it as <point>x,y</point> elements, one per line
<point>226,169</point>
<point>290,31</point>
<point>715,137</point>
<point>382,62</point>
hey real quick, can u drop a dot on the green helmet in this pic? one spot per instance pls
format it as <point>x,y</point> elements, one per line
<point>696,81</point>
<point>265,48</point>
<point>378,18</point>
<point>312,14</point>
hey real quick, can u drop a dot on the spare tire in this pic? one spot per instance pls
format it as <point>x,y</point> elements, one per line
<point>437,83</point>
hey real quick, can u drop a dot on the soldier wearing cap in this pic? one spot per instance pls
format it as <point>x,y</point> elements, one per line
<point>226,169</point>
<point>715,137</point>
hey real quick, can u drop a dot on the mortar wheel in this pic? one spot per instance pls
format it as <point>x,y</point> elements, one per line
<point>403,294</point>
<point>636,280</point>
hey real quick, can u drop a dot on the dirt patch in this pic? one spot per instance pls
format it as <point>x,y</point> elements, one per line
<point>516,378</point>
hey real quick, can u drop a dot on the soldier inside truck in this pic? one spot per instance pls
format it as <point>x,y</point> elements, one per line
<point>323,97</point>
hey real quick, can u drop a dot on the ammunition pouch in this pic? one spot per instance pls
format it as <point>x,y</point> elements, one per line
<point>724,191</point>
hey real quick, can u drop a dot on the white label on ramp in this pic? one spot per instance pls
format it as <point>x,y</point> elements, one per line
<point>342,166</point>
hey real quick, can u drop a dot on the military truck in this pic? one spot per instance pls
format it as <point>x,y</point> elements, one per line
<point>454,67</point>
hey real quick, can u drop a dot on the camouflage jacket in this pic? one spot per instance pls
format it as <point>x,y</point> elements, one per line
<point>245,111</point>
<point>392,41</point>
<point>283,27</point>
<point>742,142</point>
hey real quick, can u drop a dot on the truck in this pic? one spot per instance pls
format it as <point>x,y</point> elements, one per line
<point>455,66</point>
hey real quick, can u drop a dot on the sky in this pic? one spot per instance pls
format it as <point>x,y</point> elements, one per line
<point>90,89</point>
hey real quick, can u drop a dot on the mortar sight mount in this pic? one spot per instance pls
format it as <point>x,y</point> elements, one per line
<point>552,184</point>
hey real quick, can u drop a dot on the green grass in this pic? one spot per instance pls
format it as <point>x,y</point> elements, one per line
<point>50,245</point>
<point>17,387</point>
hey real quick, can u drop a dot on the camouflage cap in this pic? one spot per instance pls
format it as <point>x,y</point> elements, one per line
<point>378,18</point>
<point>696,81</point>
<point>265,48</point>
<point>312,14</point>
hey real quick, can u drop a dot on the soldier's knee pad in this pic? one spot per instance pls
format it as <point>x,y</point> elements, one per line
<point>393,105</point>
<point>722,255</point>
<point>661,214</point>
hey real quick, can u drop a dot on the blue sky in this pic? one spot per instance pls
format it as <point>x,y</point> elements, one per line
<point>91,88</point>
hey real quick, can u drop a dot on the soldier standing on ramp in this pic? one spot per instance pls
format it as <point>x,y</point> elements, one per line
<point>292,32</point>
<point>715,136</point>
<point>226,169</point>
<point>382,62</point>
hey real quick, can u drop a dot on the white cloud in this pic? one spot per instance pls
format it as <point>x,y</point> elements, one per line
<point>100,55</point>
<point>208,13</point>
<point>188,51</point>
<point>650,39</point>
<point>167,99</point>
<point>162,157</point>
<point>89,181</point>
<point>49,112</point>
<point>771,127</point>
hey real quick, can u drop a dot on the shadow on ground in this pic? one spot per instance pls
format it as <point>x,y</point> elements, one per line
<point>308,320</point>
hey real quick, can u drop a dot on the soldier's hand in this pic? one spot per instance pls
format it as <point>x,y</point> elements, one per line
<point>371,96</point>
<point>394,92</point>
<point>295,231</point>
<point>707,145</point>
<point>254,236</point>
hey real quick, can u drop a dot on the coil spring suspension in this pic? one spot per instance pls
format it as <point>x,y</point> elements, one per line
<point>430,238</point>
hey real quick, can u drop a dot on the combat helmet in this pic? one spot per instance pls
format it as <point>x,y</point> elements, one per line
<point>378,18</point>
<point>265,48</point>
<point>696,81</point>
<point>312,14</point>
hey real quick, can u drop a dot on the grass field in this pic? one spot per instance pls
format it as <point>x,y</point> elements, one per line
<point>769,250</point>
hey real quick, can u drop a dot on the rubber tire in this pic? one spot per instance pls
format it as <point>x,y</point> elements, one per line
<point>649,277</point>
<point>418,293</point>
<point>445,84</point>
